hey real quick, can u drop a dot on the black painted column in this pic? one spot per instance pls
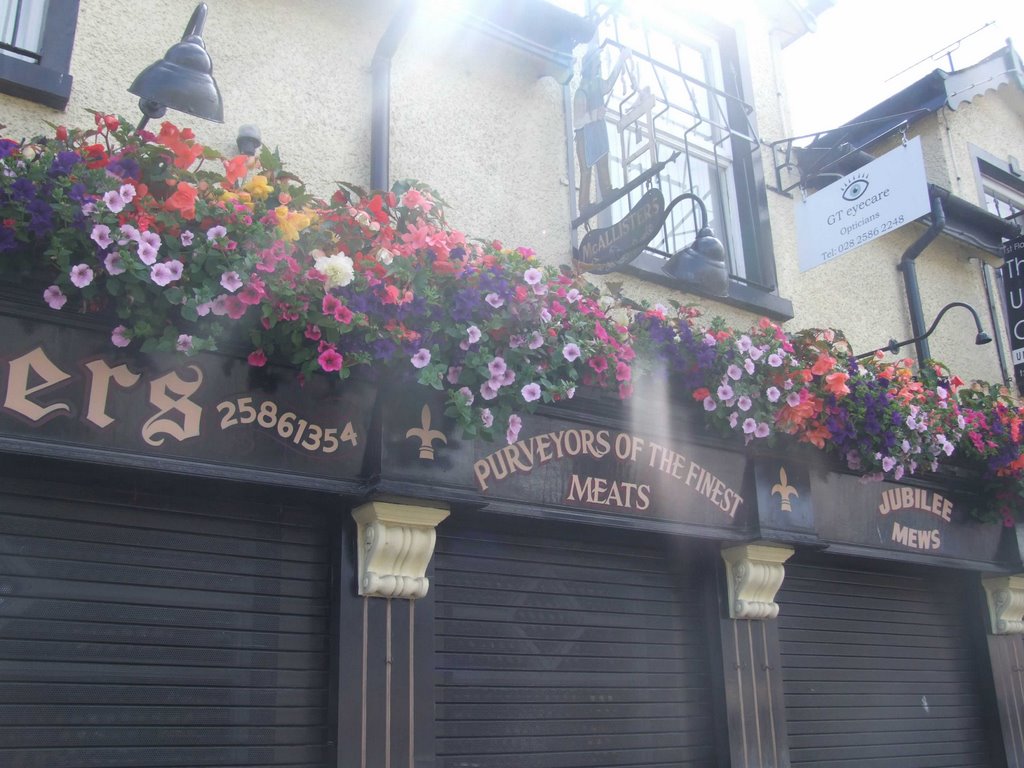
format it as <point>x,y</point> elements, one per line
<point>751,661</point>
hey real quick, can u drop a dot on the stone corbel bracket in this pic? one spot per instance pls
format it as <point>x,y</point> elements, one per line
<point>396,542</point>
<point>755,573</point>
<point>1005,598</point>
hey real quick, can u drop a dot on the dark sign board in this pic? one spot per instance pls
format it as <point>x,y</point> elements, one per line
<point>64,385</point>
<point>611,248</point>
<point>572,464</point>
<point>901,519</point>
<point>1013,291</point>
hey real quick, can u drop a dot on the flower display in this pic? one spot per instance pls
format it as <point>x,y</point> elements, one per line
<point>184,248</point>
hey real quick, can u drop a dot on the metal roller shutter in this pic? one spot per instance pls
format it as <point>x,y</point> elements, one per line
<point>879,670</point>
<point>142,636</point>
<point>559,652</point>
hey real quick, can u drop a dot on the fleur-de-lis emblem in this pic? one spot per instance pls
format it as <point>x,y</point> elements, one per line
<point>426,435</point>
<point>785,490</point>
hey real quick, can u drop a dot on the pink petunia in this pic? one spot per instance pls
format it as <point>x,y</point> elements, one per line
<point>486,418</point>
<point>497,366</point>
<point>161,274</point>
<point>473,334</point>
<point>149,247</point>
<point>536,340</point>
<point>127,192</point>
<point>710,404</point>
<point>119,337</point>
<point>216,232</point>
<point>494,300</point>
<point>81,275</point>
<point>330,360</point>
<point>533,276</point>
<point>454,371</point>
<point>488,390</point>
<point>515,423</point>
<point>54,297</point>
<point>128,234</point>
<point>467,395</point>
<point>571,352</point>
<point>113,263</point>
<point>744,403</point>
<point>725,392</point>
<point>230,281</point>
<point>734,372</point>
<point>749,426</point>
<point>531,392</point>
<point>421,359</point>
<point>187,237</point>
<point>101,235</point>
<point>114,202</point>
<point>184,343</point>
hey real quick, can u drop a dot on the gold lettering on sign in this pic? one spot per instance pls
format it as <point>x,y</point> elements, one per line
<point>100,375</point>
<point>915,498</point>
<point>191,413</point>
<point>37,364</point>
<point>609,493</point>
<point>915,539</point>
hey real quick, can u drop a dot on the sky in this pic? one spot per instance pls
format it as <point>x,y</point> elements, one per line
<point>860,48</point>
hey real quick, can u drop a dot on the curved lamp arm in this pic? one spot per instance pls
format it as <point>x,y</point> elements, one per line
<point>894,346</point>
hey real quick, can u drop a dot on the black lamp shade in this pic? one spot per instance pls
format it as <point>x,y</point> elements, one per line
<point>183,79</point>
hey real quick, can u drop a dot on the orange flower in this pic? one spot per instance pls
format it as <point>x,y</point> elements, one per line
<point>816,436</point>
<point>234,169</point>
<point>700,394</point>
<point>183,201</point>
<point>835,383</point>
<point>823,365</point>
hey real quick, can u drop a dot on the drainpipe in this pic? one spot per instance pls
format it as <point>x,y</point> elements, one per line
<point>909,269</point>
<point>380,107</point>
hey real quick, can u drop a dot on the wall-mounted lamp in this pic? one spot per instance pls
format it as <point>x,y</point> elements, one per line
<point>702,263</point>
<point>249,139</point>
<point>894,346</point>
<point>182,79</point>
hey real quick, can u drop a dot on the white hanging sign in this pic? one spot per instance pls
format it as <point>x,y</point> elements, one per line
<point>876,199</point>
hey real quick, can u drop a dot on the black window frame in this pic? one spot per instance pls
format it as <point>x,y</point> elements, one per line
<point>47,82</point>
<point>758,291</point>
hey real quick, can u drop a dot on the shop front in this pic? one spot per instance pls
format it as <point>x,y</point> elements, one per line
<point>208,564</point>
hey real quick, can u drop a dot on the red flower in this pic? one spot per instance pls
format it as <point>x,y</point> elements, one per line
<point>96,156</point>
<point>258,358</point>
<point>700,394</point>
<point>62,133</point>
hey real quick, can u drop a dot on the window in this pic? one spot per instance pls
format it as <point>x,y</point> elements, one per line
<point>36,37</point>
<point>677,99</point>
<point>1001,185</point>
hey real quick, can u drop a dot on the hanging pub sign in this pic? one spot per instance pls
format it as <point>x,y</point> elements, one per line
<point>605,250</point>
<point>1013,290</point>
<point>880,197</point>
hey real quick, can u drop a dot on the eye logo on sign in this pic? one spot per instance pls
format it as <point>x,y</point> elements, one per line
<point>856,187</point>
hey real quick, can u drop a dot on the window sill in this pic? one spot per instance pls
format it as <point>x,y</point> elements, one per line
<point>741,295</point>
<point>34,82</point>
